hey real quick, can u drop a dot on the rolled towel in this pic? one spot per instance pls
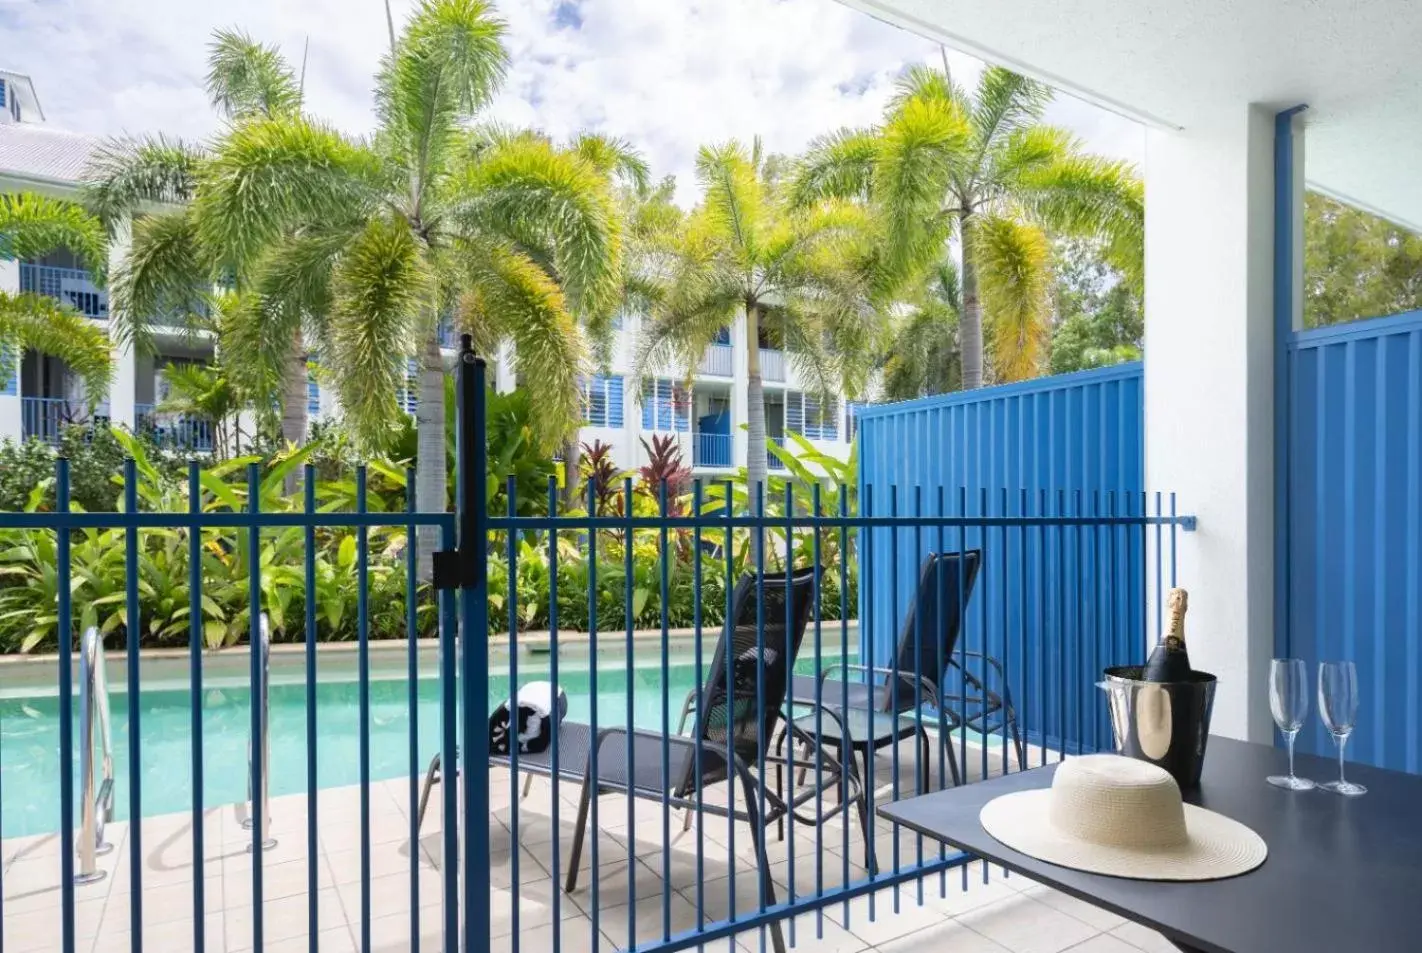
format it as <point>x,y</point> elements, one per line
<point>533,729</point>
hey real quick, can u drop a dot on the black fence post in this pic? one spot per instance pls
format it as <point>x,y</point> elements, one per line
<point>465,568</point>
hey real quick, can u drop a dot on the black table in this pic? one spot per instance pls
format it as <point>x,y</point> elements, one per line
<point>1343,874</point>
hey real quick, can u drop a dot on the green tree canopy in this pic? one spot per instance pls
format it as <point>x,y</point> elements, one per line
<point>1356,265</point>
<point>32,226</point>
<point>983,172</point>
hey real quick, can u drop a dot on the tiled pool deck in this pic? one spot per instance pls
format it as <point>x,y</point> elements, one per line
<point>1004,914</point>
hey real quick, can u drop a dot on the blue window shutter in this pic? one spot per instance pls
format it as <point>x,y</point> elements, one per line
<point>649,399</point>
<point>614,401</point>
<point>313,396</point>
<point>681,408</point>
<point>794,412</point>
<point>2,92</point>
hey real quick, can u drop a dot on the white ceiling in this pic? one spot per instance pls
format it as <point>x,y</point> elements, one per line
<point>1356,63</point>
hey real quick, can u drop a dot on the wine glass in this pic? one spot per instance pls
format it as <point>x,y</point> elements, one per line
<point>1338,704</point>
<point>1288,702</point>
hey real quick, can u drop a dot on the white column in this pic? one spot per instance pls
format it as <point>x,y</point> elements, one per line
<point>10,420</point>
<point>122,390</point>
<point>1209,403</point>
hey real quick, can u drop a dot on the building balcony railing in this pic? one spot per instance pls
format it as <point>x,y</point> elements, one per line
<point>772,364</point>
<point>71,286</point>
<point>178,431</point>
<point>717,361</point>
<point>46,418</point>
<point>42,418</point>
<point>712,450</point>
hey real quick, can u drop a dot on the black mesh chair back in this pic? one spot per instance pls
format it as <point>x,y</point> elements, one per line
<point>743,709</point>
<point>945,581</point>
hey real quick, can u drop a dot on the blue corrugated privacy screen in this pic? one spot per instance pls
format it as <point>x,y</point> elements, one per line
<point>1065,604</point>
<point>1355,528</point>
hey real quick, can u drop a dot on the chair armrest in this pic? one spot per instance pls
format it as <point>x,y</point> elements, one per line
<point>925,685</point>
<point>825,711</point>
<point>993,663</point>
<point>687,707</point>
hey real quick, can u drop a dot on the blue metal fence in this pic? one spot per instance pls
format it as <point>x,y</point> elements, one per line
<point>1066,450</point>
<point>793,736</point>
<point>1354,572</point>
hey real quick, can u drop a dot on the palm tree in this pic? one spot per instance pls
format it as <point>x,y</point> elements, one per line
<point>148,183</point>
<point>32,226</point>
<point>984,171</point>
<point>921,356</point>
<point>744,251</point>
<point>382,237</point>
<point>207,392</point>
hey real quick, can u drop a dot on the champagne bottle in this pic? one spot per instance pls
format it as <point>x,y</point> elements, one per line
<point>1169,662</point>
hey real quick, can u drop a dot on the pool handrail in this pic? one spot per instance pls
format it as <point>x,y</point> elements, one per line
<point>96,805</point>
<point>259,805</point>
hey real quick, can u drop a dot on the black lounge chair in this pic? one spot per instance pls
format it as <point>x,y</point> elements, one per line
<point>932,676</point>
<point>739,717</point>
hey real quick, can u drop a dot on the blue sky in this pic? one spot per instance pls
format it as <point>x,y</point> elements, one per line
<point>668,75</point>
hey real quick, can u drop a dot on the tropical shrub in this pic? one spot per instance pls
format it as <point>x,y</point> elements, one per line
<point>29,577</point>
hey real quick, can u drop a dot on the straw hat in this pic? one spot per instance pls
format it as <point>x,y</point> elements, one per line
<point>1114,815</point>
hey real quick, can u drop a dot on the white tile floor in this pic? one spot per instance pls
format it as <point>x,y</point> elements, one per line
<point>1003,914</point>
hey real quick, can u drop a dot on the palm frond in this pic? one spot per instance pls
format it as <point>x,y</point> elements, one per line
<point>1090,197</point>
<point>1015,283</point>
<point>270,176</point>
<point>700,299</point>
<point>837,165</point>
<point>734,203</point>
<point>42,324</point>
<point>380,287</point>
<point>126,173</point>
<point>446,65</point>
<point>246,78</point>
<point>512,299</point>
<point>614,158</point>
<point>922,353</point>
<point>162,281</point>
<point>923,142</point>
<point>1020,154</point>
<point>556,208</point>
<point>32,226</point>
<point>1006,102</point>
<point>921,81</point>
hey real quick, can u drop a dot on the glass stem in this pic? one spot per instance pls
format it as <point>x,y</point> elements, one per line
<point>1291,735</point>
<point>1342,746</point>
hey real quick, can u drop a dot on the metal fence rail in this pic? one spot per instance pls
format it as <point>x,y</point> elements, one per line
<point>738,767</point>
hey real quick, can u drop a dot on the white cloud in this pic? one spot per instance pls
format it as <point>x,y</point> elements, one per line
<point>668,76</point>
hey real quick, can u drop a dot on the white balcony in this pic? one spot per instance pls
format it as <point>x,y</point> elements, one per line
<point>717,361</point>
<point>772,364</point>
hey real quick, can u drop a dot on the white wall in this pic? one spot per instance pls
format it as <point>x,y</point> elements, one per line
<point>1209,391</point>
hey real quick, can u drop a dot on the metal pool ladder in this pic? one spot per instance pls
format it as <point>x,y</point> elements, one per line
<point>97,805</point>
<point>260,804</point>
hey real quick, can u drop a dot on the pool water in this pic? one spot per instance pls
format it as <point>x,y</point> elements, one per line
<point>29,733</point>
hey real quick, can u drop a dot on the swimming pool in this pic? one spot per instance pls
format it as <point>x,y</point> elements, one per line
<point>29,726</point>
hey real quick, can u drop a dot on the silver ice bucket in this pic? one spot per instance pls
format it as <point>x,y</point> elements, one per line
<point>1165,723</point>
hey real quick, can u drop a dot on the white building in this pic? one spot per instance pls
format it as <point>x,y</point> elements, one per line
<point>42,397</point>
<point>708,416</point>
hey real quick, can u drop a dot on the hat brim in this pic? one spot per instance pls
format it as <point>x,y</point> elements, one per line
<point>1218,847</point>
